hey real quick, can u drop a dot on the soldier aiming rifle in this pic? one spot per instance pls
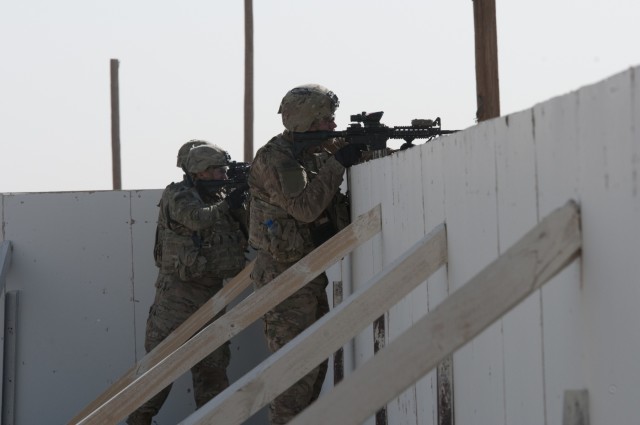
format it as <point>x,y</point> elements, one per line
<point>366,129</point>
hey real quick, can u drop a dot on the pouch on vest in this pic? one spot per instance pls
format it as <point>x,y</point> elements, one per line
<point>272,231</point>
<point>225,254</point>
<point>322,230</point>
<point>339,211</point>
<point>286,244</point>
<point>190,264</point>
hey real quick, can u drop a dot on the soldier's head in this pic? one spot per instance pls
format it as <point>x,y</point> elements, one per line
<point>208,162</point>
<point>184,151</point>
<point>309,107</point>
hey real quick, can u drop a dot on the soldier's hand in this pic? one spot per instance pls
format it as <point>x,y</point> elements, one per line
<point>236,198</point>
<point>349,155</point>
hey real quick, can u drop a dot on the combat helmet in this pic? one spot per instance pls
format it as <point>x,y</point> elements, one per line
<point>209,155</point>
<point>303,105</point>
<point>184,151</point>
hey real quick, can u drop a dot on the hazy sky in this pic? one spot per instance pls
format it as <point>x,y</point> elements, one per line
<point>182,69</point>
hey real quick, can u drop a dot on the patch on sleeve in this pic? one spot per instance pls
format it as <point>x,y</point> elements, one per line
<point>293,179</point>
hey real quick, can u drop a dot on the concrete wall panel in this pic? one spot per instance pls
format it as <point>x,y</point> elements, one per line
<point>471,211</point>
<point>83,266</point>
<point>433,197</point>
<point>75,318</point>
<point>608,175</point>
<point>517,214</point>
<point>408,224</point>
<point>557,176</point>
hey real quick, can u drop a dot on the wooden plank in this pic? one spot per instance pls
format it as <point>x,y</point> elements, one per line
<point>557,147</point>
<point>609,163</point>
<point>297,358</point>
<point>236,320</point>
<point>338,355</point>
<point>174,340</point>
<point>435,393</point>
<point>472,221</point>
<point>517,213</point>
<point>523,268</point>
<point>366,260</point>
<point>408,228</point>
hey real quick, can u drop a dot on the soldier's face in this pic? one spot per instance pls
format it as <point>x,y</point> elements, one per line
<point>211,173</point>
<point>325,124</point>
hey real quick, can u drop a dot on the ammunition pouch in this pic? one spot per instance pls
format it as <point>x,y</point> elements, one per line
<point>188,257</point>
<point>272,230</point>
<point>224,254</point>
<point>322,230</point>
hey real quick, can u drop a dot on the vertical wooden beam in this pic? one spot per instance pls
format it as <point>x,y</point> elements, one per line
<point>115,125</point>
<point>379,340</point>
<point>444,377</point>
<point>487,85</point>
<point>248,80</point>
<point>338,356</point>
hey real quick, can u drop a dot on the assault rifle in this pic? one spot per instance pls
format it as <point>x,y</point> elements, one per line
<point>238,174</point>
<point>367,129</point>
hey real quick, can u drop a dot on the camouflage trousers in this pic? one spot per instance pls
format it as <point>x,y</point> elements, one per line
<point>174,303</point>
<point>284,323</point>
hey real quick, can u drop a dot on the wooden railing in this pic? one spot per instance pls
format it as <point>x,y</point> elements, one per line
<point>144,382</point>
<point>522,269</point>
<point>284,368</point>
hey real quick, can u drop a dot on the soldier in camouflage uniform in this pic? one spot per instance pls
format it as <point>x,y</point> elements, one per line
<point>202,243</point>
<point>294,208</point>
<point>169,192</point>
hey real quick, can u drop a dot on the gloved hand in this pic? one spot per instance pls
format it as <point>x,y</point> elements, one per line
<point>349,155</point>
<point>236,198</point>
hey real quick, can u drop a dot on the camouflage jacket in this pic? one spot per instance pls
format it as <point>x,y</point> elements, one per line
<point>289,197</point>
<point>200,236</point>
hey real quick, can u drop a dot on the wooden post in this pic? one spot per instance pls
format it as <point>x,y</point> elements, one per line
<point>248,80</point>
<point>338,356</point>
<point>487,86</point>
<point>379,341</point>
<point>115,125</point>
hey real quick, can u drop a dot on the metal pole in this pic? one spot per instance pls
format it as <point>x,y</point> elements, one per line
<point>487,86</point>
<point>248,80</point>
<point>115,126</point>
